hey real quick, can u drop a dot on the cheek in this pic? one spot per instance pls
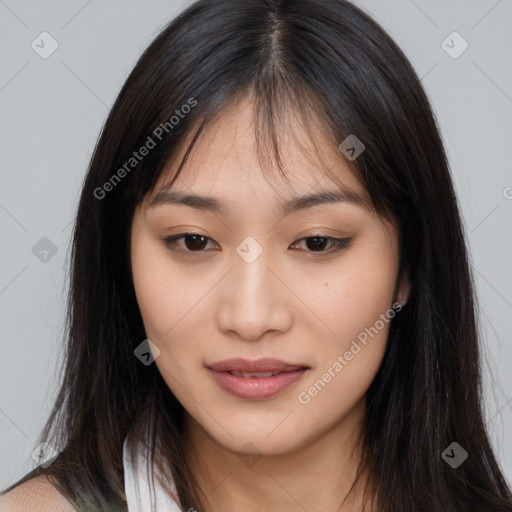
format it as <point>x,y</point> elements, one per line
<point>356,307</point>
<point>348,360</point>
<point>359,291</point>
<point>166,301</point>
<point>152,291</point>
<point>161,291</point>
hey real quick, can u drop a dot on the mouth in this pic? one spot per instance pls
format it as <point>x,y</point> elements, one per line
<point>255,380</point>
<point>257,366</point>
<point>260,375</point>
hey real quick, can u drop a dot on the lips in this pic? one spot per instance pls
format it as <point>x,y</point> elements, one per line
<point>256,380</point>
<point>264,365</point>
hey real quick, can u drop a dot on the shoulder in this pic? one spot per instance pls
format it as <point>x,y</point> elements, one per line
<point>35,495</point>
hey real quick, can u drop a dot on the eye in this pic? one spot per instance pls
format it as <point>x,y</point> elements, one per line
<point>196,243</point>
<point>318,242</point>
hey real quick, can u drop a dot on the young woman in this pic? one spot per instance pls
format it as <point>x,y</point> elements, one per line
<point>271,306</point>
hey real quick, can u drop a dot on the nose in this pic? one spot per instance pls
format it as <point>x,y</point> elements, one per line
<point>253,300</point>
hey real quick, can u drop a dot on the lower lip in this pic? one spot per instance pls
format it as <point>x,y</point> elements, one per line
<point>256,388</point>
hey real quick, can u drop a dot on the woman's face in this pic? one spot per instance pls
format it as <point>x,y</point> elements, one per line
<point>256,287</point>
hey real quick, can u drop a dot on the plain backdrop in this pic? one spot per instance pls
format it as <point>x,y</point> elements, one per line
<point>51,112</point>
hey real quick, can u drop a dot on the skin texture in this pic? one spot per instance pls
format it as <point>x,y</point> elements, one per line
<point>37,494</point>
<point>292,302</point>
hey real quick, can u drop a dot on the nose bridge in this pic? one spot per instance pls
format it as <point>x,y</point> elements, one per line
<point>251,280</point>
<point>251,303</point>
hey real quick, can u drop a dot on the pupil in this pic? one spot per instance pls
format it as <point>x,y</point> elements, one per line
<point>316,243</point>
<point>194,244</point>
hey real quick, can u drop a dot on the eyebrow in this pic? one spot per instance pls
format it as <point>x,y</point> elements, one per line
<point>210,204</point>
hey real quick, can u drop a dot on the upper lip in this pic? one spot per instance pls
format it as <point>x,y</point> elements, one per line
<point>265,364</point>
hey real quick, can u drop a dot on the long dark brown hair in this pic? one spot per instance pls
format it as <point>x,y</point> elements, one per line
<point>324,59</point>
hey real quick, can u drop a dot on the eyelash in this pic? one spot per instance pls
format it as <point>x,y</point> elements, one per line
<point>338,244</point>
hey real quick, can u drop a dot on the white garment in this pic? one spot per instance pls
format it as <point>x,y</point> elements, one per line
<point>137,486</point>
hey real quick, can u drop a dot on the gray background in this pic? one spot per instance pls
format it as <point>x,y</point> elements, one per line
<point>51,112</point>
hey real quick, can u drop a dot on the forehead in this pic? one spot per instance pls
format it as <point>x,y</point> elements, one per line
<point>227,160</point>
